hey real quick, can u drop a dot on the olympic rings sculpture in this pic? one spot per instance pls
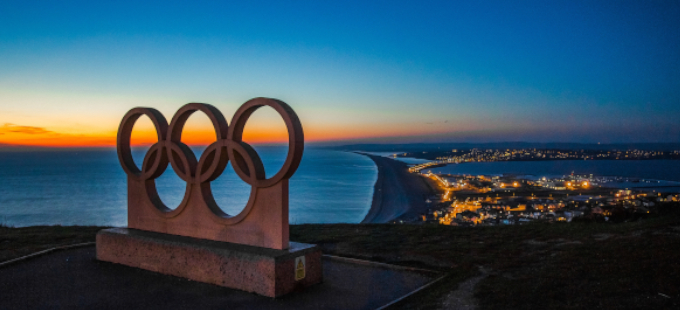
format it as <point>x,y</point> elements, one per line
<point>198,173</point>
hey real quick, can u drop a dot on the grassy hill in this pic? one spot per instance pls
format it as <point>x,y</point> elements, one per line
<point>582,265</point>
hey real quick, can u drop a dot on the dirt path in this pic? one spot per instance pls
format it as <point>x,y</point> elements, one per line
<point>463,297</point>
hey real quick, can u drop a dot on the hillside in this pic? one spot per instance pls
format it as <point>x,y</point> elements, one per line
<point>582,265</point>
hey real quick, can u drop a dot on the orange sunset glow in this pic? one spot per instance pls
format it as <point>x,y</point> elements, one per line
<point>197,132</point>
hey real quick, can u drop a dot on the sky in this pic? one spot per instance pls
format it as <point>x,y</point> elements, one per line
<point>354,71</point>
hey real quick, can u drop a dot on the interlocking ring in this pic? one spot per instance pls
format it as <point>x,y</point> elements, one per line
<point>199,173</point>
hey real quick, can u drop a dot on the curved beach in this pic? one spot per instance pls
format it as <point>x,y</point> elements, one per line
<point>397,194</point>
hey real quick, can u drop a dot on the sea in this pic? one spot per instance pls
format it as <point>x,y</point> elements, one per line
<point>89,187</point>
<point>660,175</point>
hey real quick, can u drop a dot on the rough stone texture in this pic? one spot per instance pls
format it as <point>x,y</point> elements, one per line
<point>251,250</point>
<point>267,272</point>
<point>264,219</point>
<point>265,223</point>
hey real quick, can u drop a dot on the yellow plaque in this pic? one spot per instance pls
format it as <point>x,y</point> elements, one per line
<point>299,268</point>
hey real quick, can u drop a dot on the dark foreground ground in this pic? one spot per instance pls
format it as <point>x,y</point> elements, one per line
<point>633,265</point>
<point>73,279</point>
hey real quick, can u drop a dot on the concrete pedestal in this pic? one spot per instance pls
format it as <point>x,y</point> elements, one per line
<point>264,271</point>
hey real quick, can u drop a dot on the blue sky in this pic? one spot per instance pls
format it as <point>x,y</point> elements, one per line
<point>397,71</point>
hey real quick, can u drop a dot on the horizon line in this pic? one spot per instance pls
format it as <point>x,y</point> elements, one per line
<point>332,143</point>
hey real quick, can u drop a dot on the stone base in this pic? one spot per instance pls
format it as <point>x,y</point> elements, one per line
<point>263,271</point>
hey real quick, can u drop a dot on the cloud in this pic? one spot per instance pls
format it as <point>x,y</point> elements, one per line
<point>14,136</point>
<point>30,130</point>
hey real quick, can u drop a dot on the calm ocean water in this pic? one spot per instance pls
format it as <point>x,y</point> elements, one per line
<point>89,187</point>
<point>668,170</point>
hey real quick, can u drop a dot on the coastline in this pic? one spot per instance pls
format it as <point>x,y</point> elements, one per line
<point>397,194</point>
